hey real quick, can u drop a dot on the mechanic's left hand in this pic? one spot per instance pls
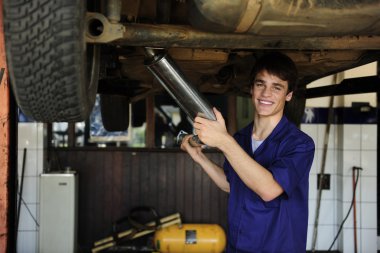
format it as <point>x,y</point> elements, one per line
<point>210,132</point>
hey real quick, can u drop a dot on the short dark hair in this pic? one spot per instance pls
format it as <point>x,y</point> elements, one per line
<point>277,64</point>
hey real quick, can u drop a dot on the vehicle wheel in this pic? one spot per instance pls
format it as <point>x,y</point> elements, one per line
<point>53,72</point>
<point>115,112</point>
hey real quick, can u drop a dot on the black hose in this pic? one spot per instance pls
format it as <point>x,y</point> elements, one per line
<point>20,191</point>
<point>349,210</point>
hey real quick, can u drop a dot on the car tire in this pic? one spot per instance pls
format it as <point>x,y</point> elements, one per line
<point>53,72</point>
<point>115,112</point>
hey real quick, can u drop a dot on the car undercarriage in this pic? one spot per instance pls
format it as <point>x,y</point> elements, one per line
<point>214,43</point>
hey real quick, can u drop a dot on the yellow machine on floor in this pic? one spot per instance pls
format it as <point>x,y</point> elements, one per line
<point>190,238</point>
<point>171,236</point>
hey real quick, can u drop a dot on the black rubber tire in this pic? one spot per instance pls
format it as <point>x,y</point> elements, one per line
<point>115,112</point>
<point>53,72</point>
<point>138,116</point>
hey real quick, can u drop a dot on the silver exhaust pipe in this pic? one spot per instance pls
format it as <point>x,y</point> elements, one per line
<point>169,75</point>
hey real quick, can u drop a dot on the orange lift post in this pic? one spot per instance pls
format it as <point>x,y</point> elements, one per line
<point>4,140</point>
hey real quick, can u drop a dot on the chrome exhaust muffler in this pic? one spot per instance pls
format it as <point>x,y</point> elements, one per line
<point>169,75</point>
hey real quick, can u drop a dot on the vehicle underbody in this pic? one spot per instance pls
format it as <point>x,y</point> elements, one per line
<point>216,43</point>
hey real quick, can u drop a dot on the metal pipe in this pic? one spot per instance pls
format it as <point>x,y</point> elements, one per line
<point>114,10</point>
<point>180,89</point>
<point>354,207</point>
<point>322,173</point>
<point>165,36</point>
<point>176,84</point>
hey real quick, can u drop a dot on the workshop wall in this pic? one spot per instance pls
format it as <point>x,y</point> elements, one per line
<point>31,145</point>
<point>352,142</point>
<point>111,182</point>
<point>349,145</point>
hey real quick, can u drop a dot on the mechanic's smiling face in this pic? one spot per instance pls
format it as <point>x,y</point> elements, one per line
<point>269,94</point>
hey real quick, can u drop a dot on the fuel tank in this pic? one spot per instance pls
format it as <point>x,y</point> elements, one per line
<point>190,238</point>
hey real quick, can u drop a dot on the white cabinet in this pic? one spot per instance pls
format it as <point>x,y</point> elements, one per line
<point>58,212</point>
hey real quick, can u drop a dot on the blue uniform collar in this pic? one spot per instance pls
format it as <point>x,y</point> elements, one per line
<point>247,131</point>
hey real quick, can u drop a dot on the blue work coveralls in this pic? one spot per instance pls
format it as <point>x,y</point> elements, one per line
<point>280,225</point>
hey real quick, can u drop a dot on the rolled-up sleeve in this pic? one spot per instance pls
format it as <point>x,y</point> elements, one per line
<point>293,164</point>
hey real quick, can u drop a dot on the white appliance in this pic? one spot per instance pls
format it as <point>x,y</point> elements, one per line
<point>58,212</point>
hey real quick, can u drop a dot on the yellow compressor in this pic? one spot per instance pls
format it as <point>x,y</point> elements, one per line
<point>190,238</point>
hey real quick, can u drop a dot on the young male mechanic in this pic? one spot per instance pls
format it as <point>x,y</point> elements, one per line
<point>267,165</point>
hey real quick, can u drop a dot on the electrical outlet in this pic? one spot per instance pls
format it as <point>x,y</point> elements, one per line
<point>326,181</point>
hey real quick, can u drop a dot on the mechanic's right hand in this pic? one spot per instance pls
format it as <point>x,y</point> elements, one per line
<point>194,152</point>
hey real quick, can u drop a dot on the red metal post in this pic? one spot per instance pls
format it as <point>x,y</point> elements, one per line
<point>4,139</point>
<point>354,206</point>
